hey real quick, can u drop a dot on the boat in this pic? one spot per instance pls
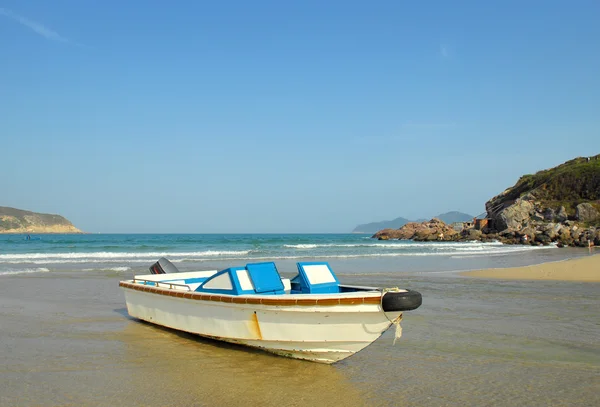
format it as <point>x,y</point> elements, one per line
<point>311,316</point>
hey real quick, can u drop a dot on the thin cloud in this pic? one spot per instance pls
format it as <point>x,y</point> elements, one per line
<point>36,27</point>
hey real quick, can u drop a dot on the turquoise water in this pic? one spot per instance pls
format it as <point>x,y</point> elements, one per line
<point>348,253</point>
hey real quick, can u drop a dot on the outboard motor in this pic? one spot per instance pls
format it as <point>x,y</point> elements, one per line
<point>163,266</point>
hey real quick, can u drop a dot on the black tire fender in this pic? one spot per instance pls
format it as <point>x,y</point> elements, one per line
<point>401,300</point>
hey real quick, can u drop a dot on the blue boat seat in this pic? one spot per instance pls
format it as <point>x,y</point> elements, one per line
<point>265,278</point>
<point>255,278</point>
<point>315,278</point>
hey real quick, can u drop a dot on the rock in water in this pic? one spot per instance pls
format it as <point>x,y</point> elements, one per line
<point>386,234</point>
<point>431,230</point>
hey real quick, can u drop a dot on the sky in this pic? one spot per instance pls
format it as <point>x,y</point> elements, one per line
<point>287,116</point>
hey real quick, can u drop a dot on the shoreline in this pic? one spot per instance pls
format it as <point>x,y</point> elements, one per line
<point>583,269</point>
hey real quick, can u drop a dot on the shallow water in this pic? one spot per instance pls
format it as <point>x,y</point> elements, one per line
<point>66,340</point>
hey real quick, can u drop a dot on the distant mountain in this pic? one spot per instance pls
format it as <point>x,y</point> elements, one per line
<point>454,216</point>
<point>377,226</point>
<point>14,220</point>
<point>374,227</point>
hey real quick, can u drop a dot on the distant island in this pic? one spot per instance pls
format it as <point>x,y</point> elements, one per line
<point>14,220</point>
<point>560,205</point>
<point>373,227</point>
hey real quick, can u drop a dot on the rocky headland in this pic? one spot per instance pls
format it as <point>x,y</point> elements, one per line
<point>373,227</point>
<point>14,220</point>
<point>560,205</point>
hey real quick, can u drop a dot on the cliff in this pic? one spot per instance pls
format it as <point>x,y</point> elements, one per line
<point>556,194</point>
<point>14,220</point>
<point>561,205</point>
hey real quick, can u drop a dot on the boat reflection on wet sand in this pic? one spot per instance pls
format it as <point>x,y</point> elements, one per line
<point>215,373</point>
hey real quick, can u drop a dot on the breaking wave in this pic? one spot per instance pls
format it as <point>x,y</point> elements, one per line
<point>117,255</point>
<point>402,245</point>
<point>122,253</point>
<point>297,251</point>
<point>23,271</point>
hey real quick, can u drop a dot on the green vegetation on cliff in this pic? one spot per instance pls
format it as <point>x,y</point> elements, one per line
<point>569,184</point>
<point>14,220</point>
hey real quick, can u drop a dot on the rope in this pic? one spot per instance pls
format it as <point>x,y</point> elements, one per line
<point>398,332</point>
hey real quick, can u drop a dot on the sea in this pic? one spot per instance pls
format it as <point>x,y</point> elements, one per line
<point>66,338</point>
<point>348,253</point>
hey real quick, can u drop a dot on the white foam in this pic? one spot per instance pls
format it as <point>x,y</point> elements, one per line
<point>125,255</point>
<point>84,261</point>
<point>24,271</point>
<point>423,249</point>
<point>109,269</point>
<point>404,245</point>
<point>470,253</point>
<point>302,246</point>
<point>120,268</point>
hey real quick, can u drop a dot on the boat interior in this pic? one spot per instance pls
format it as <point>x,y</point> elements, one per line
<point>254,278</point>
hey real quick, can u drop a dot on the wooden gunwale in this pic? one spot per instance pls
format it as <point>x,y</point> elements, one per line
<point>249,300</point>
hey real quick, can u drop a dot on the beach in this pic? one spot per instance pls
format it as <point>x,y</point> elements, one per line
<point>67,340</point>
<point>405,193</point>
<point>582,269</point>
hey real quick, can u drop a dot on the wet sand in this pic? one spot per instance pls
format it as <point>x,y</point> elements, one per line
<point>580,269</point>
<point>66,340</point>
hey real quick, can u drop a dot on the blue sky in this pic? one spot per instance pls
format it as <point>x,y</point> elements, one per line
<point>296,116</point>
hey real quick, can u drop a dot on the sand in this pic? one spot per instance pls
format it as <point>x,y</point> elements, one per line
<point>66,340</point>
<point>580,269</point>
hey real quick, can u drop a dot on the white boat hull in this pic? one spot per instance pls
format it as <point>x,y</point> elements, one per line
<point>326,332</point>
